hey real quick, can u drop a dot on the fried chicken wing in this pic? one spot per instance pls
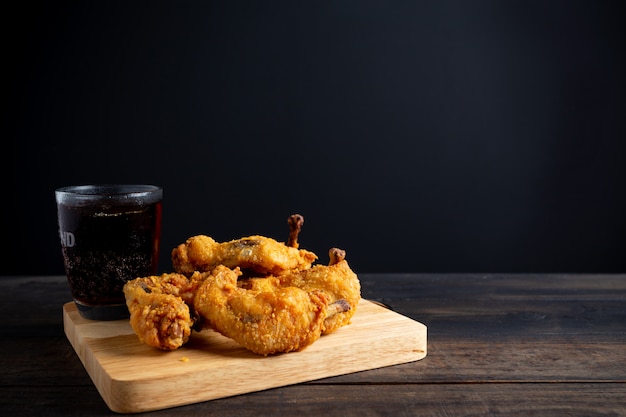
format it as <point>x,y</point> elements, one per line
<point>259,254</point>
<point>159,309</point>
<point>267,318</point>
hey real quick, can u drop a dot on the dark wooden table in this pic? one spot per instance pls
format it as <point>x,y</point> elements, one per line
<point>500,344</point>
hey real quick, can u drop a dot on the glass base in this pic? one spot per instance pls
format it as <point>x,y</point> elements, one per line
<point>106,312</point>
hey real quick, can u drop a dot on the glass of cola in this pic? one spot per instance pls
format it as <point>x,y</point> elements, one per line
<point>110,234</point>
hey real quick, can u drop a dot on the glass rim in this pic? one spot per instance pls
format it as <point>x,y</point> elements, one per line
<point>143,193</point>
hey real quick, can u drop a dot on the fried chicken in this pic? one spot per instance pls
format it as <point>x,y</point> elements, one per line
<point>265,319</point>
<point>159,309</point>
<point>337,281</point>
<point>286,305</point>
<point>259,254</point>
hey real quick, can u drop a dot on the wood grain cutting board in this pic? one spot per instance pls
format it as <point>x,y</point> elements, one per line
<point>132,377</point>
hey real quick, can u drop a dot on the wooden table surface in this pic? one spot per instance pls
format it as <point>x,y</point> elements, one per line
<point>498,344</point>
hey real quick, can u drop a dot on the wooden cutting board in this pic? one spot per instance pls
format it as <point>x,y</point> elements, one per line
<point>132,377</point>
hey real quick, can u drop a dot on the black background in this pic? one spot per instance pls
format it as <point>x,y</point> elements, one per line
<point>427,136</point>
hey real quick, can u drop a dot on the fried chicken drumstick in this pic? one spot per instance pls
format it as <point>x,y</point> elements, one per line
<point>337,280</point>
<point>287,306</point>
<point>259,254</point>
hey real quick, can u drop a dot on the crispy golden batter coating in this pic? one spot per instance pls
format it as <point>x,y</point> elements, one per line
<point>159,311</point>
<point>259,254</point>
<point>265,319</point>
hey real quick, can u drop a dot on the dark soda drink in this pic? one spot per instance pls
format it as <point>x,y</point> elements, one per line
<point>108,237</point>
